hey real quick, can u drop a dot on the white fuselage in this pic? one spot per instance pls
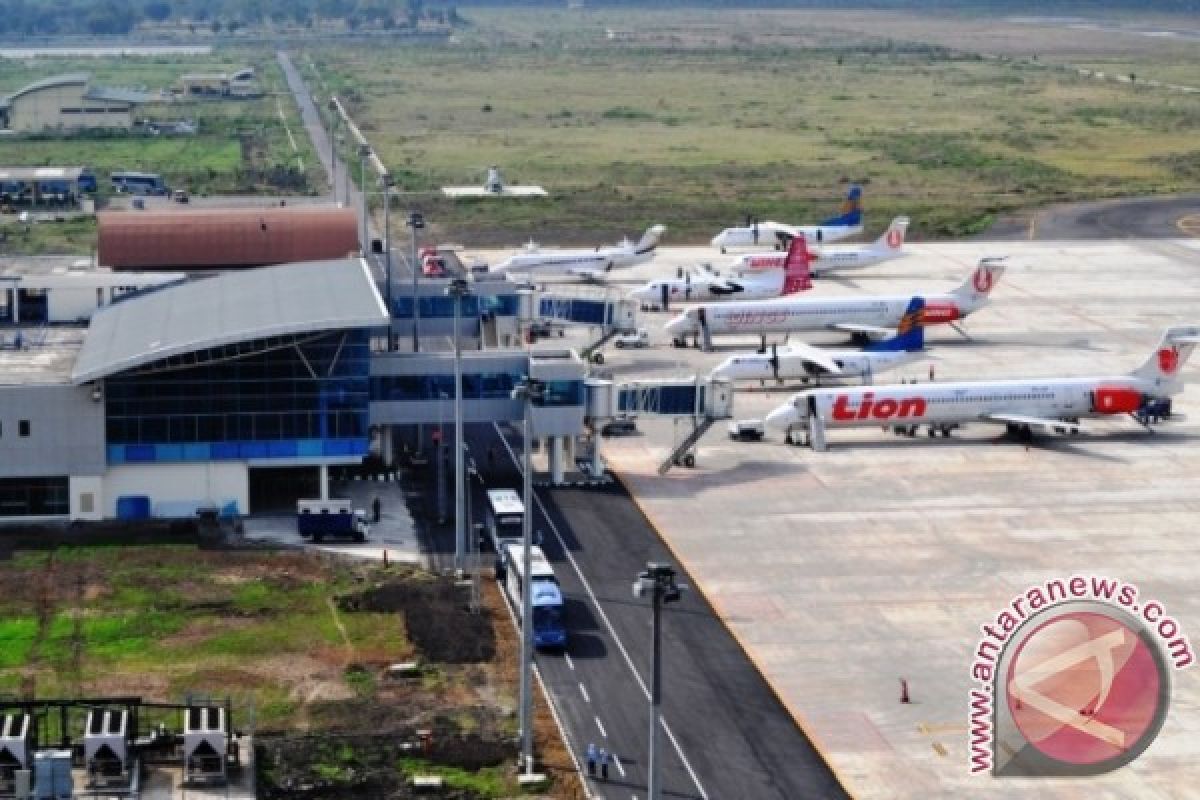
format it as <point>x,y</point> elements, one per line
<point>796,365</point>
<point>703,287</point>
<point>830,259</point>
<point>793,314</point>
<point>572,261</point>
<point>953,403</point>
<point>768,234</point>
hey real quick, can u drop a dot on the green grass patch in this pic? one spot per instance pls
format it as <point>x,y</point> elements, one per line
<point>486,782</point>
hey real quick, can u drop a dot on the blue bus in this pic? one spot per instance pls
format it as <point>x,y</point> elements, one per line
<point>141,183</point>
<point>549,628</point>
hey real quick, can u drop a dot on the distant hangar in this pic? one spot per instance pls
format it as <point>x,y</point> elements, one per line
<point>66,103</point>
<point>218,239</point>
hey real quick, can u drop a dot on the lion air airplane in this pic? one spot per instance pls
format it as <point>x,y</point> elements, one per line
<point>1048,404</point>
<point>789,277</point>
<point>888,246</point>
<point>863,317</point>
<point>806,363</point>
<point>591,264</point>
<point>754,234</point>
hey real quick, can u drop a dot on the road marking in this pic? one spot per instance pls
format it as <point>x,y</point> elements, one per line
<point>583,691</point>
<point>617,763</point>
<point>600,725</point>
<point>587,587</point>
<point>570,663</point>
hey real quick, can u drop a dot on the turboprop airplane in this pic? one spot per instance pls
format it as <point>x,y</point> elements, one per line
<point>754,233</point>
<point>789,277</point>
<point>590,264</point>
<point>888,246</point>
<point>806,363</point>
<point>863,317</point>
<point>1046,404</point>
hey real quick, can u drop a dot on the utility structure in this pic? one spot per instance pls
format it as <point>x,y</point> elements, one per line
<point>333,120</point>
<point>364,153</point>
<point>530,391</point>
<point>659,581</point>
<point>458,289</point>
<point>415,221</point>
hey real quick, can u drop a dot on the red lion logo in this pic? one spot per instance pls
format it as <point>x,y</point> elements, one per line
<point>1168,360</point>
<point>984,279</point>
<point>895,238</point>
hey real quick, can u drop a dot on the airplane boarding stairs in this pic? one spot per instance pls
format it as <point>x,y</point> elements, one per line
<point>701,400</point>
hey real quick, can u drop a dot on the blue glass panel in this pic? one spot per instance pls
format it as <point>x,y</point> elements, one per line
<point>168,452</point>
<point>309,448</point>
<point>222,451</point>
<point>253,449</point>
<point>282,449</point>
<point>139,452</point>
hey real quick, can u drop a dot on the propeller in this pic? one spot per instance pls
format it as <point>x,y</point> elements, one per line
<point>774,362</point>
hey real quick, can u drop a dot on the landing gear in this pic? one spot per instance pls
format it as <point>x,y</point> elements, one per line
<point>597,358</point>
<point>677,342</point>
<point>687,460</point>
<point>762,344</point>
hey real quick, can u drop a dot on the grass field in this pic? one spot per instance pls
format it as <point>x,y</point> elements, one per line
<point>696,118</point>
<point>241,145</point>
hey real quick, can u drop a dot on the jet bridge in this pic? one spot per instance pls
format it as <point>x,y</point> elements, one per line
<point>608,311</point>
<point>702,400</point>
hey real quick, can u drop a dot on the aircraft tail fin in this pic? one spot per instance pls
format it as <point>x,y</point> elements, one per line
<point>910,333</point>
<point>1164,364</point>
<point>796,274</point>
<point>891,241</point>
<point>651,238</point>
<point>974,291</point>
<point>852,209</point>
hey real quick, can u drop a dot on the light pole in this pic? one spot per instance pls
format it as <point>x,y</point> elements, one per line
<point>364,152</point>
<point>458,289</point>
<point>438,454</point>
<point>659,580</point>
<point>473,531</point>
<point>416,222</point>
<point>388,182</point>
<point>333,120</point>
<point>531,392</point>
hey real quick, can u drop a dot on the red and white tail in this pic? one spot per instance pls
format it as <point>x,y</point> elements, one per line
<point>979,284</point>
<point>796,274</point>
<point>892,240</point>
<point>1165,363</point>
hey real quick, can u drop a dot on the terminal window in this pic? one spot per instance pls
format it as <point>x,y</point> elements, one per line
<point>33,497</point>
<point>23,427</point>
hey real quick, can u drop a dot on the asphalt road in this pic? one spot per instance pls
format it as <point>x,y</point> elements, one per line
<point>725,735</point>
<point>1126,218</point>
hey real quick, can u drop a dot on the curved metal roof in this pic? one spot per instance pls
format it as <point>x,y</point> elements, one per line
<point>214,238</point>
<point>229,308</point>
<point>48,83</point>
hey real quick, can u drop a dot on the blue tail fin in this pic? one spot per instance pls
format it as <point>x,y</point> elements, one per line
<point>851,211</point>
<point>910,333</point>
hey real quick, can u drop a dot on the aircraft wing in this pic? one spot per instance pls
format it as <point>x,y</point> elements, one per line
<point>1047,425</point>
<point>816,355</point>
<point>873,331</point>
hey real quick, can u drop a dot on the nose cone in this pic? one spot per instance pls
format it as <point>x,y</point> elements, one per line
<point>783,417</point>
<point>644,294</point>
<point>680,326</point>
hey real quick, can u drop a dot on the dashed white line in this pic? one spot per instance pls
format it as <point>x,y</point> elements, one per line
<point>587,587</point>
<point>600,725</point>
<point>583,691</point>
<point>617,763</point>
<point>570,663</point>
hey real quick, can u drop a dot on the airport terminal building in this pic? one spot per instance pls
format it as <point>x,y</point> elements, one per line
<point>185,395</point>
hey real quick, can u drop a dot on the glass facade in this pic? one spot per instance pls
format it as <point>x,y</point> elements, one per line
<point>299,397</point>
<point>477,386</point>
<point>33,497</point>
<point>442,307</point>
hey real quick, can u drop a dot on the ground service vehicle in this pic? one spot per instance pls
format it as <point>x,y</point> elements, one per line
<point>747,430</point>
<point>638,338</point>
<point>505,516</point>
<point>549,632</point>
<point>321,519</point>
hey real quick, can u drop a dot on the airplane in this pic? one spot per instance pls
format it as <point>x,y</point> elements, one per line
<point>863,317</point>
<point>494,186</point>
<point>888,246</point>
<point>789,277</point>
<point>847,223</point>
<point>588,264</point>
<point>807,363</point>
<point>1047,404</point>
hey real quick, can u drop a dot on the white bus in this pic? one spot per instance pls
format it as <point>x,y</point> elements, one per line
<point>549,632</point>
<point>505,516</point>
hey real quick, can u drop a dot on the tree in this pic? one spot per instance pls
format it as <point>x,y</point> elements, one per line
<point>216,26</point>
<point>157,10</point>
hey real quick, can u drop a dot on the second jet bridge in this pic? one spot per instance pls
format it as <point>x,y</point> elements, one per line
<point>606,310</point>
<point>702,400</point>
